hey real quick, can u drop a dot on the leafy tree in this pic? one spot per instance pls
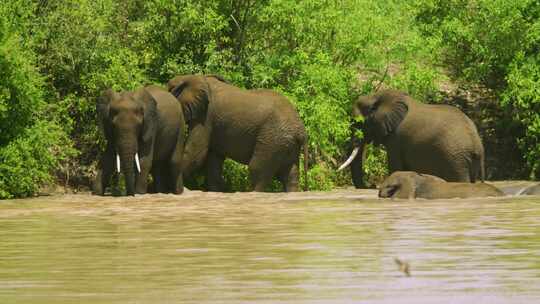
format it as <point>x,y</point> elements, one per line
<point>32,145</point>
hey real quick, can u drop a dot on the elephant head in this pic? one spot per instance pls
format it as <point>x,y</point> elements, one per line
<point>406,184</point>
<point>399,185</point>
<point>377,116</point>
<point>128,120</point>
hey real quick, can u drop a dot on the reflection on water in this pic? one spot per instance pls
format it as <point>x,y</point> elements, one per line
<point>336,247</point>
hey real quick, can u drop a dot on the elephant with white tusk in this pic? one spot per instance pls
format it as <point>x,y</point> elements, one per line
<point>145,130</point>
<point>434,139</point>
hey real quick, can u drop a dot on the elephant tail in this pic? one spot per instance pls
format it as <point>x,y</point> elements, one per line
<point>477,169</point>
<point>306,164</point>
<point>482,168</point>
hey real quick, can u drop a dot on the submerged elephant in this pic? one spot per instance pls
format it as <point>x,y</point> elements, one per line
<point>434,139</point>
<point>144,130</point>
<point>409,185</point>
<point>259,128</point>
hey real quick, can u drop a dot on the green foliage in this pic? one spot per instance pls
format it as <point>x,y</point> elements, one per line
<point>236,176</point>
<point>479,38</point>
<point>85,47</point>
<point>32,144</point>
<point>182,37</point>
<point>523,95</point>
<point>320,177</point>
<point>375,164</point>
<point>28,161</point>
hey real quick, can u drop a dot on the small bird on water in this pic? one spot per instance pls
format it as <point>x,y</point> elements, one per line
<point>403,266</point>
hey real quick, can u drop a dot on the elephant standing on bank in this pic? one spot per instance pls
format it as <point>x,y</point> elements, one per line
<point>410,185</point>
<point>259,128</point>
<point>434,139</point>
<point>144,130</point>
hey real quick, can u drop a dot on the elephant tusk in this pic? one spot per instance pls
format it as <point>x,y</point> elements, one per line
<point>118,163</point>
<point>350,159</point>
<point>137,162</point>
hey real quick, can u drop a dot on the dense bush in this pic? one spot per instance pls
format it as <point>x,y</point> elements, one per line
<point>32,145</point>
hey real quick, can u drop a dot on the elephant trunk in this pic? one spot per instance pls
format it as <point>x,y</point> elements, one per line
<point>127,161</point>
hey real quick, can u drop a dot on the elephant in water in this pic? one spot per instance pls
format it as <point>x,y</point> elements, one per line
<point>144,130</point>
<point>434,139</point>
<point>259,128</point>
<point>409,185</point>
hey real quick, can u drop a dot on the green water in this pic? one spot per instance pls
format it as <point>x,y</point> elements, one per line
<point>334,247</point>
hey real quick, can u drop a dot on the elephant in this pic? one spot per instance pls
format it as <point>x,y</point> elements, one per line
<point>434,139</point>
<point>145,130</point>
<point>259,128</point>
<point>410,185</point>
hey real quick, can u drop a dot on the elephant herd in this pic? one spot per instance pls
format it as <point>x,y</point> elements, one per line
<point>434,151</point>
<point>196,123</point>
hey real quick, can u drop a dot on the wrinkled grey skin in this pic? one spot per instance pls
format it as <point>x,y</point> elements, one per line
<point>434,139</point>
<point>148,121</point>
<point>259,128</point>
<point>531,190</point>
<point>410,185</point>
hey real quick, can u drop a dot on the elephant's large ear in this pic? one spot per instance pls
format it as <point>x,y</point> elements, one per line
<point>150,115</point>
<point>389,110</point>
<point>103,109</point>
<point>193,93</point>
<point>177,85</point>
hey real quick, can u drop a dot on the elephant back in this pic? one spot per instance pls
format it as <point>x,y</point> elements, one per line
<point>168,121</point>
<point>439,140</point>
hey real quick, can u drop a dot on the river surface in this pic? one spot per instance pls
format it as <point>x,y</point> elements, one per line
<point>334,247</point>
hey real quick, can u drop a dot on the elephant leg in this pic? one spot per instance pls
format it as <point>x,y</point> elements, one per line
<point>115,185</point>
<point>196,149</point>
<point>160,173</point>
<point>214,178</point>
<point>152,186</point>
<point>458,171</point>
<point>289,178</point>
<point>141,186</point>
<point>395,163</point>
<point>263,166</point>
<point>104,173</point>
<point>176,182</point>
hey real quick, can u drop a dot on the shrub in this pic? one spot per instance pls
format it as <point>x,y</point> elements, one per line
<point>32,144</point>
